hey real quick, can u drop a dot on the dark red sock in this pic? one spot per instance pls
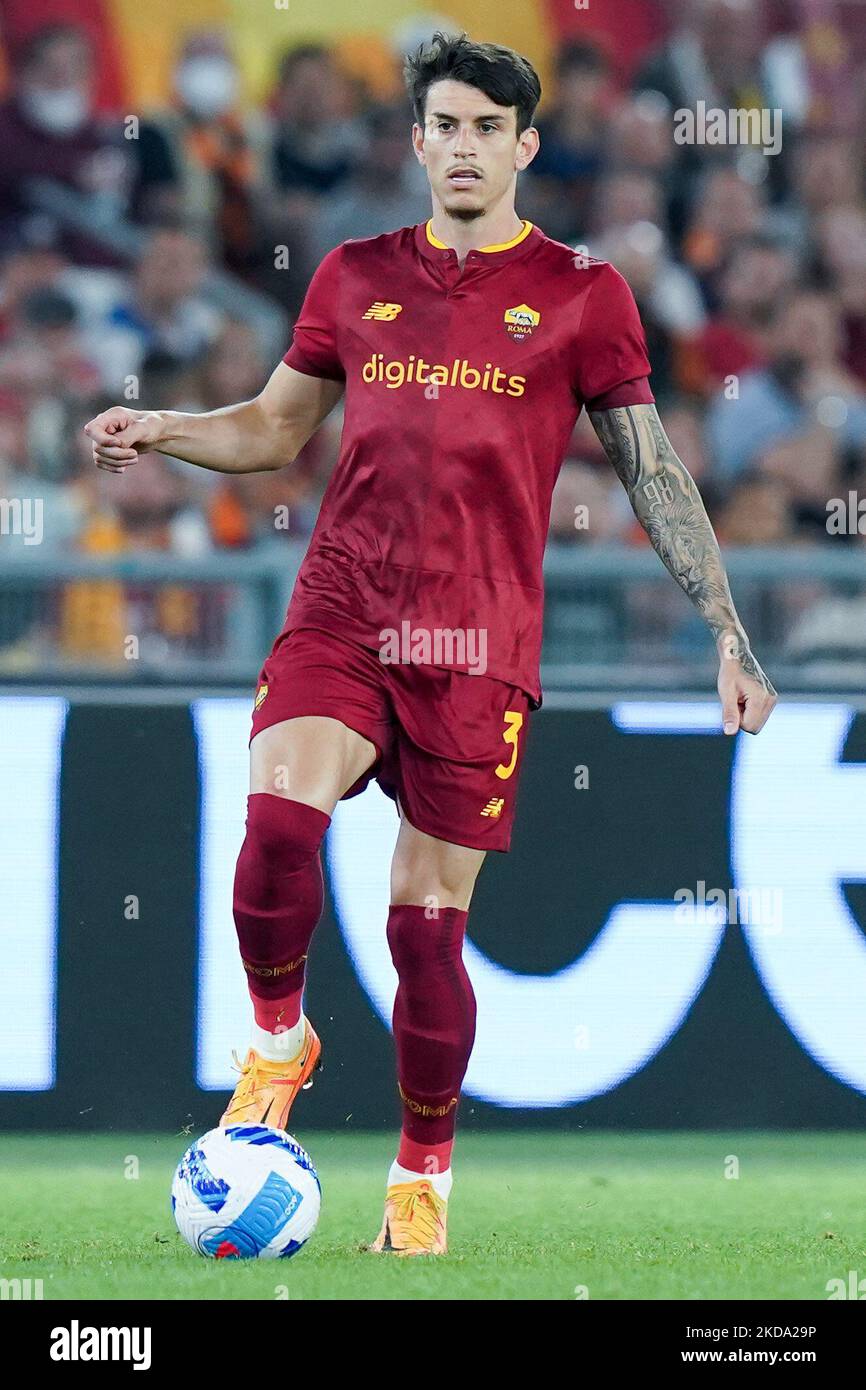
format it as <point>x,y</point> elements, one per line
<point>434,1029</point>
<point>278,897</point>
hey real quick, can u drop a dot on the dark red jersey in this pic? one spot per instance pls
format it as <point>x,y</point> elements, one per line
<point>463,387</point>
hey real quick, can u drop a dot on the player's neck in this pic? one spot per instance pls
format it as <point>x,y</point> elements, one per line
<point>496,229</point>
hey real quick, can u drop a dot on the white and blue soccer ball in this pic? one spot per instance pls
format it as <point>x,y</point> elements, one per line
<point>246,1192</point>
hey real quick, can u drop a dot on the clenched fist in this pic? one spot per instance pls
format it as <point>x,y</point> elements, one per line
<point>119,435</point>
<point>748,697</point>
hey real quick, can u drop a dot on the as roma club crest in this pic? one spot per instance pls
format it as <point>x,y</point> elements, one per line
<point>521,322</point>
<point>261,696</point>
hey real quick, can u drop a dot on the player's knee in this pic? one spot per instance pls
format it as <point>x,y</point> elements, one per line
<point>432,874</point>
<point>434,891</point>
<point>285,835</point>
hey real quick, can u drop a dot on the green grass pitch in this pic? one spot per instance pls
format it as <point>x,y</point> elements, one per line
<point>533,1216</point>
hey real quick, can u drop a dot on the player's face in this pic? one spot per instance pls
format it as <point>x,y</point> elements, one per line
<point>470,149</point>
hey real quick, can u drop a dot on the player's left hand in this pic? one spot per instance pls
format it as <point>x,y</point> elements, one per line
<point>747,696</point>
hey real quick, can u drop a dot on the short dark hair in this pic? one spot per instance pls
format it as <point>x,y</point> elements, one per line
<point>504,76</point>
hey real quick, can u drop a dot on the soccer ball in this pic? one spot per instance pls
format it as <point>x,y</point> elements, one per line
<point>246,1192</point>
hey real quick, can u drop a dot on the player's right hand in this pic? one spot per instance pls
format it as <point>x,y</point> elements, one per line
<point>119,435</point>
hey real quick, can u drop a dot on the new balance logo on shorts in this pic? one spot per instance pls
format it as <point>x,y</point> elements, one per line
<point>494,807</point>
<point>383,312</point>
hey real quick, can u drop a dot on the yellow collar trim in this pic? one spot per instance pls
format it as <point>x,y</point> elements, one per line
<point>503,246</point>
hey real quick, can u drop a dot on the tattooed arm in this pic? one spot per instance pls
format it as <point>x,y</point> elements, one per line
<point>668,505</point>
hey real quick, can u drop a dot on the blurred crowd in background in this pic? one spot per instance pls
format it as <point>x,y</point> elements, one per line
<point>749,269</point>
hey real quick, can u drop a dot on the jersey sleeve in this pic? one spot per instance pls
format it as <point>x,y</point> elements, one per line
<point>611,356</point>
<point>637,392</point>
<point>315,346</point>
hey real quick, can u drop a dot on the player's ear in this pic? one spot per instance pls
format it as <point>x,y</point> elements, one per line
<point>418,142</point>
<point>527,148</point>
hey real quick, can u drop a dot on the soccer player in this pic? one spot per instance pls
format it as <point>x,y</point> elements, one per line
<point>464,349</point>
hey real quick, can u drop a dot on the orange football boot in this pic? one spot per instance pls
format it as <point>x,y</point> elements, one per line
<point>267,1090</point>
<point>415,1221</point>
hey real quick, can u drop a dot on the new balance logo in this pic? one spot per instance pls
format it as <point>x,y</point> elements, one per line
<point>494,807</point>
<point>383,312</point>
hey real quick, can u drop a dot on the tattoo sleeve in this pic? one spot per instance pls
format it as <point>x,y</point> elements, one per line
<point>668,505</point>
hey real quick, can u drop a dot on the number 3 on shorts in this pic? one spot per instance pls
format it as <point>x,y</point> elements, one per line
<point>513,725</point>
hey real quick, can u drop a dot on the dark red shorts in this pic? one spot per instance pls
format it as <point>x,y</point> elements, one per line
<point>449,744</point>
